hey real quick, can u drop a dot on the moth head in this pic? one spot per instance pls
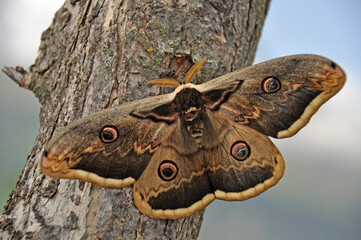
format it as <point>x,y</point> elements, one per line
<point>187,100</point>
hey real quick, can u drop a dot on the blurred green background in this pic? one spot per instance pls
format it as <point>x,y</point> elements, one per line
<point>318,198</point>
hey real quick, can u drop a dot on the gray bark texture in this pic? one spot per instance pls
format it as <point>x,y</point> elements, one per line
<point>100,53</point>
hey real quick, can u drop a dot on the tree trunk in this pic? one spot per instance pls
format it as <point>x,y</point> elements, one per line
<point>97,54</point>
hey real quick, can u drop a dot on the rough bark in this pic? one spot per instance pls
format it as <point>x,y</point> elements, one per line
<point>97,54</point>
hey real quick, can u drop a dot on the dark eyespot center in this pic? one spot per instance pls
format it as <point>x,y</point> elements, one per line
<point>240,151</point>
<point>108,134</point>
<point>167,170</point>
<point>333,65</point>
<point>271,85</point>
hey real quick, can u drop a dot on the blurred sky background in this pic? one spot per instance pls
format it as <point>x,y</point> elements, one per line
<point>319,196</point>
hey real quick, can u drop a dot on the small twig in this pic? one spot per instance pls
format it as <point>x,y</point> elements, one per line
<point>17,74</point>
